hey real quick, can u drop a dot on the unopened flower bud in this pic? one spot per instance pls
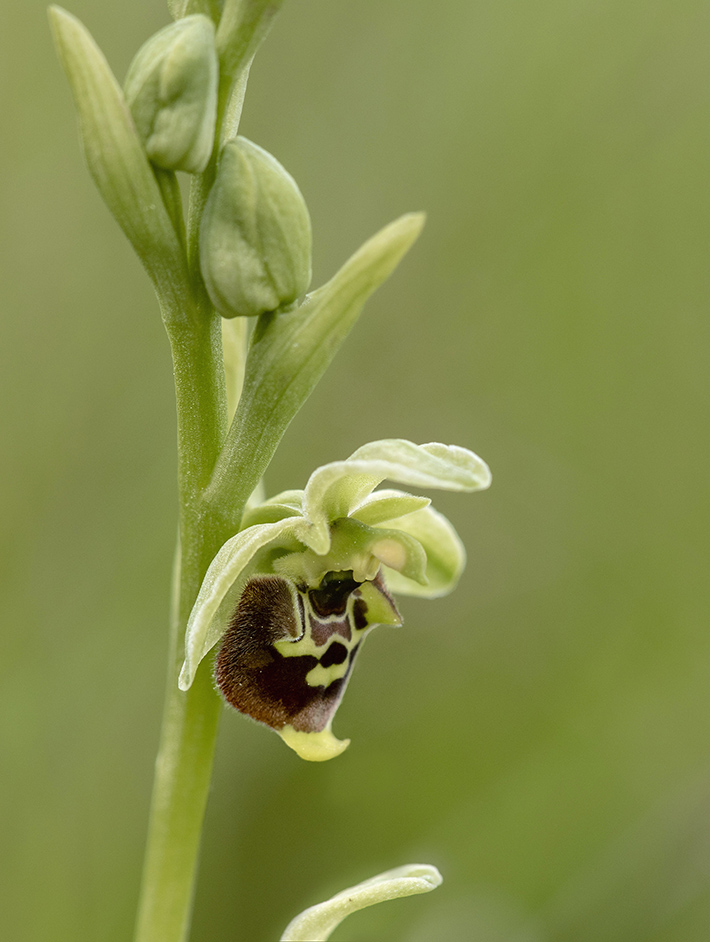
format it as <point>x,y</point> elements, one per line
<point>171,89</point>
<point>255,236</point>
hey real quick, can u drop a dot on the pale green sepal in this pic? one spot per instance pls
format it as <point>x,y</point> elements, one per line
<point>445,555</point>
<point>255,234</point>
<point>171,89</point>
<point>290,352</point>
<point>334,489</point>
<point>222,583</point>
<point>314,747</point>
<point>116,159</point>
<point>286,504</point>
<point>316,923</point>
<point>387,504</point>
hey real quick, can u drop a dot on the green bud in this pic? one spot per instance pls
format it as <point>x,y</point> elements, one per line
<point>171,89</point>
<point>118,163</point>
<point>255,236</point>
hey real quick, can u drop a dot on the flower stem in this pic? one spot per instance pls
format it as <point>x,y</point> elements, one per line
<point>182,778</point>
<point>190,720</point>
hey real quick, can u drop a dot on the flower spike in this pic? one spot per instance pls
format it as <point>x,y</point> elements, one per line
<point>293,595</point>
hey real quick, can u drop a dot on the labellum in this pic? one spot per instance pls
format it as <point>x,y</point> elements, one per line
<point>288,652</point>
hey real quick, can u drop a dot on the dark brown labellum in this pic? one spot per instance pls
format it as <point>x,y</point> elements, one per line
<point>288,652</point>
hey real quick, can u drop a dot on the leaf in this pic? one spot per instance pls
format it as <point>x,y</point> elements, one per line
<point>316,923</point>
<point>117,161</point>
<point>243,26</point>
<point>290,352</point>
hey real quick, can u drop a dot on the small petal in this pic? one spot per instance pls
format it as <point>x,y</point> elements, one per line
<point>445,555</point>
<point>223,581</point>
<point>386,505</point>
<point>316,923</point>
<point>335,489</point>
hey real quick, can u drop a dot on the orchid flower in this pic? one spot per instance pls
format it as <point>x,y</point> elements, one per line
<point>294,593</point>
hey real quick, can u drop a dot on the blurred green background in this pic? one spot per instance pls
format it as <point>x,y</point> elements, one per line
<point>543,734</point>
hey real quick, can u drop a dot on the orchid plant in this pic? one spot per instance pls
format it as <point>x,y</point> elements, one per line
<point>283,590</point>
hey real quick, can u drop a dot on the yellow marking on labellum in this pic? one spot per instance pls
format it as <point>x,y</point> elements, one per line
<point>380,608</point>
<point>321,676</point>
<point>305,645</point>
<point>314,747</point>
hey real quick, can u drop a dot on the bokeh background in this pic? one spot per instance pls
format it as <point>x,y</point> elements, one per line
<point>542,735</point>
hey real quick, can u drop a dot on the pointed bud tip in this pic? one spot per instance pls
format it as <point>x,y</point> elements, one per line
<point>406,228</point>
<point>59,20</point>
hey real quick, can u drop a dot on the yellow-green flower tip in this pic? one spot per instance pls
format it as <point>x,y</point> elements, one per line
<point>314,747</point>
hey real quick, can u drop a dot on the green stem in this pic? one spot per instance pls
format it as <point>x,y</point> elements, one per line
<point>190,720</point>
<point>182,778</point>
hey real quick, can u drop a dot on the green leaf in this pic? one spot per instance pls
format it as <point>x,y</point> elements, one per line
<point>243,26</point>
<point>335,489</point>
<point>290,352</point>
<point>117,161</point>
<point>316,923</point>
<point>220,588</point>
